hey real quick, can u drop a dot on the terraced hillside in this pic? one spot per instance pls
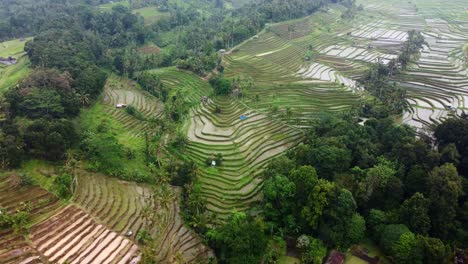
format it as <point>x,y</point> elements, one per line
<point>246,139</point>
<point>121,206</point>
<point>290,74</point>
<point>192,87</point>
<point>57,234</point>
<point>73,236</point>
<point>340,51</point>
<point>438,81</point>
<point>120,90</point>
<point>13,196</point>
<point>10,75</point>
<point>13,247</point>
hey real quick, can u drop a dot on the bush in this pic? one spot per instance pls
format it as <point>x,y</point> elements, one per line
<point>62,186</point>
<point>144,236</point>
<point>25,180</point>
<point>221,85</point>
<point>275,250</point>
<point>131,110</point>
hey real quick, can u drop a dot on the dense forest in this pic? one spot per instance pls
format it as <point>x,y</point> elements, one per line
<point>346,181</point>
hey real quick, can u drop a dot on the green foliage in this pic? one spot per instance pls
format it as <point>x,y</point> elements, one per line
<point>194,207</point>
<point>152,83</point>
<point>340,226</point>
<point>392,96</point>
<point>445,188</point>
<point>221,85</point>
<point>131,110</point>
<point>414,213</point>
<point>275,251</point>
<point>279,193</point>
<point>391,236</point>
<point>25,180</point>
<point>144,236</point>
<point>240,240</point>
<point>62,186</point>
<point>411,47</point>
<point>407,249</point>
<point>434,250</point>
<point>18,221</point>
<point>180,141</point>
<point>312,250</point>
<point>454,131</point>
<point>317,202</point>
<point>328,157</point>
<point>185,173</point>
<point>104,152</point>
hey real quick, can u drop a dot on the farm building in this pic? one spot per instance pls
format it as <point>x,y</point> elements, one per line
<point>120,105</point>
<point>335,257</point>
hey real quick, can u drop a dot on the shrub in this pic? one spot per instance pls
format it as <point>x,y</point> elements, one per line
<point>221,85</point>
<point>144,236</point>
<point>131,110</point>
<point>275,250</point>
<point>312,250</point>
<point>25,180</point>
<point>62,186</point>
<point>465,50</point>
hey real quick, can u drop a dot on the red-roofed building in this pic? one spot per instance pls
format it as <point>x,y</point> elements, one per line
<point>335,257</point>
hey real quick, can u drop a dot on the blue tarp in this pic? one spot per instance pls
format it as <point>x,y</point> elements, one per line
<point>243,117</point>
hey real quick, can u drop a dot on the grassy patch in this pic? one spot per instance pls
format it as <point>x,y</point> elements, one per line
<point>12,47</point>
<point>11,75</point>
<point>288,260</point>
<point>351,259</point>
<point>91,118</point>
<point>111,5</point>
<point>151,14</point>
<point>41,172</point>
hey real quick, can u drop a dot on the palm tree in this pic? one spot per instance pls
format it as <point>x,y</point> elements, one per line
<point>70,166</point>
<point>84,99</point>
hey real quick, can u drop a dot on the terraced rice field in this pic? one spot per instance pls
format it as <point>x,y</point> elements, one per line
<point>11,75</point>
<point>120,205</point>
<point>73,236</point>
<point>246,146</point>
<point>14,248</point>
<point>120,90</point>
<point>192,87</point>
<point>13,197</point>
<point>438,80</point>
<point>275,59</point>
<point>58,234</point>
